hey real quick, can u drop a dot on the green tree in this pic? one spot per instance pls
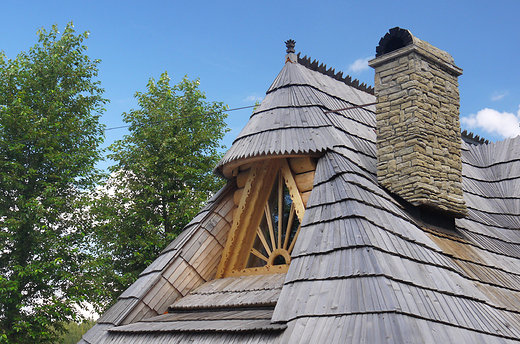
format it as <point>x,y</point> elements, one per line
<point>75,331</point>
<point>162,176</point>
<point>49,137</point>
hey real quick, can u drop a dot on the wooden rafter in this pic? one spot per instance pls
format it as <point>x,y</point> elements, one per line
<point>227,258</point>
<point>293,190</point>
<point>263,240</point>
<point>289,225</point>
<point>280,211</point>
<point>294,239</point>
<point>259,254</point>
<point>242,233</point>
<point>270,226</point>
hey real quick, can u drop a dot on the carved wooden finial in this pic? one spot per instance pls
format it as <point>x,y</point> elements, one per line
<point>290,46</point>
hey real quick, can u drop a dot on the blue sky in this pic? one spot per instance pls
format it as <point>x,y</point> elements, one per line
<point>237,48</point>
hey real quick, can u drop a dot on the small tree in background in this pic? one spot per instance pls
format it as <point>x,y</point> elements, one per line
<point>162,176</point>
<point>49,137</point>
<point>75,331</point>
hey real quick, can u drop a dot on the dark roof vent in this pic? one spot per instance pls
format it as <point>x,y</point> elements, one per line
<point>397,38</point>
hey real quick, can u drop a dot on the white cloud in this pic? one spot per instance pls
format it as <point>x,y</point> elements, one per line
<point>253,98</point>
<point>491,121</point>
<point>499,95</point>
<point>87,310</point>
<point>359,65</point>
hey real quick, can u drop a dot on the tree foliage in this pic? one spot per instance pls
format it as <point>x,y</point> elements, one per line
<point>49,137</point>
<point>75,331</point>
<point>162,176</point>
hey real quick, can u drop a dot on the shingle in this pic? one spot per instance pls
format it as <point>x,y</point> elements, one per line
<point>201,325</point>
<point>97,334</point>
<point>363,269</point>
<point>234,292</point>
<point>117,313</point>
<point>194,337</point>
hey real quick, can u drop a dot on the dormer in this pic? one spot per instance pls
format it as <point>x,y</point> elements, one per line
<point>274,182</point>
<point>271,198</point>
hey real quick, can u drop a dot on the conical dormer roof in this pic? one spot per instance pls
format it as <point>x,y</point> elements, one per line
<point>297,116</point>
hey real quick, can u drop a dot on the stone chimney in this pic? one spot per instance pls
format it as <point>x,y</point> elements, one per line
<point>418,129</point>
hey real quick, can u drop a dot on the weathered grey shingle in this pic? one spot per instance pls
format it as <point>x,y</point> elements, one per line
<point>363,268</point>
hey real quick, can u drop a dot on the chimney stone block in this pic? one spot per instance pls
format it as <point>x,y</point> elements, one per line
<point>418,127</point>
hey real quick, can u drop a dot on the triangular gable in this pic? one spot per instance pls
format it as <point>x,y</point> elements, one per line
<point>265,226</point>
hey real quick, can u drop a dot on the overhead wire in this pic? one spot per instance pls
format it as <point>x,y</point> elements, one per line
<point>129,125</point>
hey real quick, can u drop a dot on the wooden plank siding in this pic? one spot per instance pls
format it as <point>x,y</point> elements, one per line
<point>188,262</point>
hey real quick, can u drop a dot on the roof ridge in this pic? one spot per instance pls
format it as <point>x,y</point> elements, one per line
<point>322,68</point>
<point>471,139</point>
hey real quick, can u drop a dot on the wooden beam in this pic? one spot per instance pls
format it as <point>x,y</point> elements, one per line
<point>225,261</point>
<point>263,240</point>
<point>242,234</point>
<point>305,181</point>
<point>305,197</point>
<point>302,164</point>
<point>228,168</point>
<point>293,190</point>
<point>245,167</point>
<point>269,219</point>
<point>294,240</point>
<point>253,217</point>
<point>257,253</point>
<point>263,270</point>
<point>242,179</point>
<point>280,210</point>
<point>238,196</point>
<point>289,225</point>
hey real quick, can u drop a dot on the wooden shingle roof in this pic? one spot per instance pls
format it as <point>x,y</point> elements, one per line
<point>363,269</point>
<point>291,120</point>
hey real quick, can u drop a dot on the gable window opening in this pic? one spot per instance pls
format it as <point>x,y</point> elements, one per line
<point>271,200</point>
<point>278,230</point>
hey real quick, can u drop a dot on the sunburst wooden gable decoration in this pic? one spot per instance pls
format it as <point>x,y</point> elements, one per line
<point>271,202</point>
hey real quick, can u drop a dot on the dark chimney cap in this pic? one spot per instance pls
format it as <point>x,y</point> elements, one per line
<point>290,46</point>
<point>395,39</point>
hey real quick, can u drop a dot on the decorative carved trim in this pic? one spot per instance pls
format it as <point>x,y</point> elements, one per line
<point>237,216</point>
<point>321,68</point>
<point>273,241</point>
<point>263,270</point>
<point>293,189</point>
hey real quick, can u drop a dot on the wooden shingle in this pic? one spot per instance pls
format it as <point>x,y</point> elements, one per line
<point>365,267</point>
